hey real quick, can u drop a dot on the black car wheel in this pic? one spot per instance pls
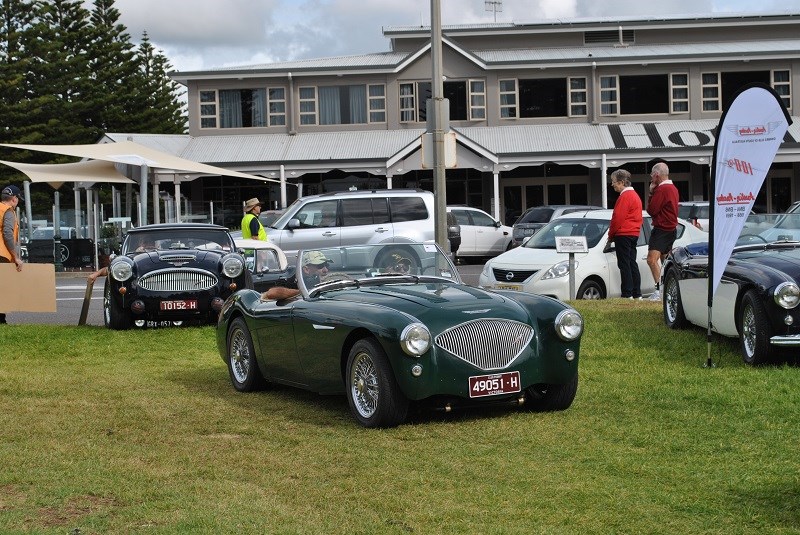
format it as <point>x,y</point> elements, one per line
<point>114,317</point>
<point>754,331</point>
<point>673,306</point>
<point>590,290</point>
<point>373,394</point>
<point>242,365</point>
<point>544,398</point>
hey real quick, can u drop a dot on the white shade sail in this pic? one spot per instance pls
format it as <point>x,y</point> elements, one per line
<point>90,171</point>
<point>128,152</point>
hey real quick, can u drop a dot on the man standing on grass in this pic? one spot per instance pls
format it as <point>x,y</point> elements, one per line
<point>663,208</point>
<point>623,231</point>
<point>9,242</point>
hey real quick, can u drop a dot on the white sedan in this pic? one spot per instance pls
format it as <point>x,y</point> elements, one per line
<point>537,267</point>
<point>481,234</point>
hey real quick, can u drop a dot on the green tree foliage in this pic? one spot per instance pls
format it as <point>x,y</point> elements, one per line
<point>68,75</point>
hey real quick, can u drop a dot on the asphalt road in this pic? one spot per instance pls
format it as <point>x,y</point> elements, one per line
<point>71,290</point>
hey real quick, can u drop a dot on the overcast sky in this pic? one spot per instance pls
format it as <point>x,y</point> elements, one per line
<point>203,34</point>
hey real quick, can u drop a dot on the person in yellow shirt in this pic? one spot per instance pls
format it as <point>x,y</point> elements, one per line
<point>251,224</point>
<point>10,197</point>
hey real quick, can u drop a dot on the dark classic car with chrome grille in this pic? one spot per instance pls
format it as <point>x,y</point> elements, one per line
<point>172,273</point>
<point>758,298</point>
<point>390,325</point>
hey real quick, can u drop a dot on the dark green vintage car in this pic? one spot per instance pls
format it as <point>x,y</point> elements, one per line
<point>393,324</point>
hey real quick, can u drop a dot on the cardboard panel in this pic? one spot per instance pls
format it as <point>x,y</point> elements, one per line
<point>31,290</point>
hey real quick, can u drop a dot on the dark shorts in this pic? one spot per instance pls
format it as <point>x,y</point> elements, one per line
<point>661,240</point>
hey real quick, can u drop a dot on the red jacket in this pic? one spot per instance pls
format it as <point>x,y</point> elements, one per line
<point>663,206</point>
<point>627,217</point>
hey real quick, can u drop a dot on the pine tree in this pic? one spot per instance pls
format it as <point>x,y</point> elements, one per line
<point>160,110</point>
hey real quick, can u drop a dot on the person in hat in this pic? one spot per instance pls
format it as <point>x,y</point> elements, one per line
<point>315,267</point>
<point>10,197</point>
<point>251,224</point>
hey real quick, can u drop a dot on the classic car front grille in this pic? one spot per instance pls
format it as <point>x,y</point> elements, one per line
<point>512,275</point>
<point>177,257</point>
<point>178,280</point>
<point>489,344</point>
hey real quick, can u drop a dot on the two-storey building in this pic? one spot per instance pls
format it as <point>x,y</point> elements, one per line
<point>540,112</point>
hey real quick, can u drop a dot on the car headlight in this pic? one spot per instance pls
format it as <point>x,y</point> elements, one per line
<point>415,339</point>
<point>787,295</point>
<point>232,266</point>
<point>559,270</point>
<point>487,269</point>
<point>569,324</point>
<point>122,269</point>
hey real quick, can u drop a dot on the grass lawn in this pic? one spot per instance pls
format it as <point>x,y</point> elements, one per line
<point>141,432</point>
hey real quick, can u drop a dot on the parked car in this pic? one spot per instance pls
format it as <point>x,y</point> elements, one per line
<point>757,299</point>
<point>354,218</point>
<point>536,217</point>
<point>537,267</point>
<point>172,273</point>
<point>266,262</point>
<point>695,212</point>
<point>389,325</point>
<point>481,234</point>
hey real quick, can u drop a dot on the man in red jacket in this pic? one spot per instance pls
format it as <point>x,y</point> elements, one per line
<point>663,208</point>
<point>626,224</point>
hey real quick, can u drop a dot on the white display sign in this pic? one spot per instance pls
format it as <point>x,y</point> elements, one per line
<point>571,244</point>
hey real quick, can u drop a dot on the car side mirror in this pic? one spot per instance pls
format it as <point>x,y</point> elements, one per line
<point>293,224</point>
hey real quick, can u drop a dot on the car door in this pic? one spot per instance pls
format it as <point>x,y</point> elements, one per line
<point>489,237</point>
<point>468,240</point>
<point>318,228</point>
<point>365,221</point>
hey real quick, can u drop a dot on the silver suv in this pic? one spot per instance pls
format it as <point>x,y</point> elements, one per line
<point>354,218</point>
<point>535,218</point>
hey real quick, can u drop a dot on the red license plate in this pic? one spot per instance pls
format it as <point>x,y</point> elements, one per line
<point>179,304</point>
<point>493,385</point>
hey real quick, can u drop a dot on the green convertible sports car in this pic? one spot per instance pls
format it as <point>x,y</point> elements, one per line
<point>393,324</point>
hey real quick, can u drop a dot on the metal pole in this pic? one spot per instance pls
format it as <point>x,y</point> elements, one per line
<point>78,227</point>
<point>283,187</point>
<point>604,186</point>
<point>437,87</point>
<point>143,195</point>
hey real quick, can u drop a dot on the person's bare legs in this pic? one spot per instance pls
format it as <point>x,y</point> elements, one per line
<point>654,261</point>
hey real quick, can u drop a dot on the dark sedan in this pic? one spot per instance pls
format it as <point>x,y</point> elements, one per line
<point>172,273</point>
<point>758,297</point>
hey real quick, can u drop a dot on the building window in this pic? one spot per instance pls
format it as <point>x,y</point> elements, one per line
<point>609,96</point>
<point>543,97</point>
<point>508,99</point>
<point>408,103</point>
<point>308,105</point>
<point>477,100</point>
<point>679,93</point>
<point>414,97</point>
<point>276,104</point>
<point>208,109</point>
<point>643,94</point>
<point>710,91</point>
<point>242,108</point>
<point>577,97</point>
<point>377,103</point>
<point>781,83</point>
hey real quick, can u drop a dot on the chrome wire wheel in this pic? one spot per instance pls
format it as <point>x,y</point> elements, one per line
<point>364,391</point>
<point>748,332</point>
<point>240,355</point>
<point>671,299</point>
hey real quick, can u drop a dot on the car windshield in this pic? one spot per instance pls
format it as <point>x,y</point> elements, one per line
<point>769,228</point>
<point>593,229</point>
<point>373,265</point>
<point>541,214</point>
<point>176,239</point>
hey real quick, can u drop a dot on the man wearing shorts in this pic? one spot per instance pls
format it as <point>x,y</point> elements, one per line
<point>663,209</point>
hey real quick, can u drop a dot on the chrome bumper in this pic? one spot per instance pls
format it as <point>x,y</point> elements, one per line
<point>786,341</point>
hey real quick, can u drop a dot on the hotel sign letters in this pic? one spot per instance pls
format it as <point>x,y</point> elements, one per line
<point>660,135</point>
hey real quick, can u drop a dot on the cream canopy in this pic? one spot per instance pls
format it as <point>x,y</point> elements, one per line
<point>128,152</point>
<point>57,174</point>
